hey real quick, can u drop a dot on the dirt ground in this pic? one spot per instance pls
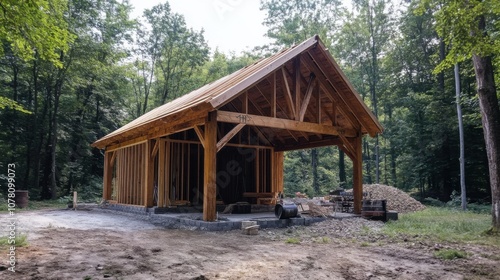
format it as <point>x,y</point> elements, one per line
<point>97,244</point>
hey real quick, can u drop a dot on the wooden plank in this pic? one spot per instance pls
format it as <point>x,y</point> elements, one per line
<point>262,72</point>
<point>112,160</point>
<point>185,156</point>
<point>200,135</point>
<point>126,144</point>
<point>161,174</point>
<point>279,158</point>
<point>188,170</point>
<point>254,120</point>
<point>244,104</point>
<point>288,94</point>
<point>318,96</point>
<point>357,178</point>
<point>135,174</point>
<point>307,98</point>
<point>118,182</point>
<point>222,142</point>
<point>273,96</point>
<point>332,92</point>
<point>149,173</point>
<point>210,168</point>
<point>107,176</point>
<point>308,145</point>
<point>375,126</point>
<point>347,144</point>
<point>154,151</point>
<point>168,173</point>
<point>257,170</point>
<point>131,173</point>
<point>296,81</point>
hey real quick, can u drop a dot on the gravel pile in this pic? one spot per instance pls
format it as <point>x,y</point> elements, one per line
<point>351,227</point>
<point>332,229</point>
<point>397,200</point>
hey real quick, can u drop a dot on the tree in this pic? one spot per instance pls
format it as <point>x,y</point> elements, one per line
<point>365,37</point>
<point>468,28</point>
<point>170,55</point>
<point>35,27</point>
<point>291,22</point>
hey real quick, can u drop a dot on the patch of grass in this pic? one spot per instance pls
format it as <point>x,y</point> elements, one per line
<point>21,241</point>
<point>444,224</point>
<point>292,240</point>
<point>450,254</point>
<point>364,244</point>
<point>323,240</point>
<point>365,230</point>
<point>37,205</point>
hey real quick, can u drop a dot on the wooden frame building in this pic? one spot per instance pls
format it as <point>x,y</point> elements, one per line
<point>225,140</point>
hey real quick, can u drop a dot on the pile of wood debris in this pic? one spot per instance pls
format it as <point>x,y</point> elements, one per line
<point>397,200</point>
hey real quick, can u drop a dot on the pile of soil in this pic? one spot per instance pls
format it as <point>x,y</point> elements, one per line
<point>397,200</point>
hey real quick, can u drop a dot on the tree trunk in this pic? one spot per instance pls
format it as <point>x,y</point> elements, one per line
<point>342,173</point>
<point>314,163</point>
<point>490,115</point>
<point>461,136</point>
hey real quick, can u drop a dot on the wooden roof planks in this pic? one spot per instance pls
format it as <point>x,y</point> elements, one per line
<point>300,93</point>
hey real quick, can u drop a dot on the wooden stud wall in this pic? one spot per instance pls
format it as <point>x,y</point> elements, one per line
<point>175,175</point>
<point>131,175</point>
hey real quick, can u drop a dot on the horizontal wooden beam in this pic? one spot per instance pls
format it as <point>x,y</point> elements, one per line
<point>278,123</point>
<point>132,142</point>
<point>309,145</point>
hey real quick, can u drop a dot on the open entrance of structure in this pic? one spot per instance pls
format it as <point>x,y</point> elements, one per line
<point>243,173</point>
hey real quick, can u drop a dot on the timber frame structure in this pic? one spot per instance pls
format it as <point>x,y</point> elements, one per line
<point>225,141</point>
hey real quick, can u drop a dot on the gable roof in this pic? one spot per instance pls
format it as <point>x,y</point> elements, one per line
<point>215,95</point>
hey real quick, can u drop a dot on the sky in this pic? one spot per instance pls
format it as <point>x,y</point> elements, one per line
<point>230,25</point>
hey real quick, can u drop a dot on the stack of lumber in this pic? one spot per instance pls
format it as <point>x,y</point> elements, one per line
<point>397,200</point>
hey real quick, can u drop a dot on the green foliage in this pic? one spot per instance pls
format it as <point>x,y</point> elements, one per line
<point>433,202</point>
<point>35,28</point>
<point>450,254</point>
<point>323,240</point>
<point>169,56</point>
<point>291,22</point>
<point>292,240</point>
<point>21,240</point>
<point>458,23</point>
<point>9,103</point>
<point>443,224</point>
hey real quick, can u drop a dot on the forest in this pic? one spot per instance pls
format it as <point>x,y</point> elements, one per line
<point>71,71</point>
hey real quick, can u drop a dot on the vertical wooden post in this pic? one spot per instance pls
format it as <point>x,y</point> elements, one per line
<point>108,176</point>
<point>161,174</point>
<point>75,200</point>
<point>357,178</point>
<point>279,158</point>
<point>149,171</point>
<point>210,168</point>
